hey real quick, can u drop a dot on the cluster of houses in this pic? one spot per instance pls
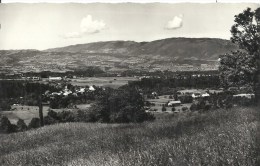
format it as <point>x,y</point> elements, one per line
<point>170,101</point>
<point>245,95</point>
<point>193,95</point>
<point>66,91</point>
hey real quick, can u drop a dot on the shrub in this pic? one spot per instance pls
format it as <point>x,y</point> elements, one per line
<point>207,107</point>
<point>13,128</point>
<point>81,116</point>
<point>5,106</point>
<point>53,115</point>
<point>185,98</point>
<point>35,123</point>
<point>67,116</point>
<point>163,108</point>
<point>173,109</point>
<point>184,108</point>
<point>193,107</point>
<point>21,126</point>
<point>5,125</point>
<point>48,120</point>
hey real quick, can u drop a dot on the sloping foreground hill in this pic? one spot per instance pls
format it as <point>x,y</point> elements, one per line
<point>216,138</point>
<point>196,48</point>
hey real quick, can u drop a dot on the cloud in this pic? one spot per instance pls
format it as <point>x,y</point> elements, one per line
<point>87,26</point>
<point>72,35</point>
<point>175,23</point>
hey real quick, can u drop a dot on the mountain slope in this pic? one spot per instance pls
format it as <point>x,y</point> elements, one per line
<point>198,48</point>
<point>165,54</point>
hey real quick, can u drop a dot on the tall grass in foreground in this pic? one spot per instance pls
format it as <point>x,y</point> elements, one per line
<point>214,138</point>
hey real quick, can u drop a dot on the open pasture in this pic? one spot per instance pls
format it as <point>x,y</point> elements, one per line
<point>113,82</point>
<point>25,113</point>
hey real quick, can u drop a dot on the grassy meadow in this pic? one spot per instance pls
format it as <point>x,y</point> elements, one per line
<point>113,82</point>
<point>220,137</point>
<point>25,113</point>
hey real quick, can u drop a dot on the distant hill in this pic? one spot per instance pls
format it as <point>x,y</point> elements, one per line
<point>195,48</point>
<point>165,54</point>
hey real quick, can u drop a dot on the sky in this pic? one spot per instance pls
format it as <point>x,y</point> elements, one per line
<point>43,26</point>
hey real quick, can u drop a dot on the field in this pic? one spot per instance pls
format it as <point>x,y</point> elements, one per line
<point>26,113</point>
<point>113,82</point>
<point>23,112</point>
<point>220,137</point>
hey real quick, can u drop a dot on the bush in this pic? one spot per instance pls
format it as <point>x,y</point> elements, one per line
<point>53,115</point>
<point>243,101</point>
<point>13,128</point>
<point>66,116</point>
<point>60,117</point>
<point>35,123</point>
<point>21,126</point>
<point>48,120</point>
<point>5,106</point>
<point>173,109</point>
<point>207,107</point>
<point>184,108</point>
<point>185,98</point>
<point>163,108</point>
<point>5,125</point>
<point>193,107</point>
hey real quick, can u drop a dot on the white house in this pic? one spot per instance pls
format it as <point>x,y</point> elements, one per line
<point>205,95</point>
<point>249,96</point>
<point>91,88</point>
<point>196,95</point>
<point>55,78</point>
<point>174,103</point>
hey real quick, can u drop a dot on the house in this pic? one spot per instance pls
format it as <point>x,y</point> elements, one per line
<point>55,78</point>
<point>249,96</point>
<point>36,78</point>
<point>196,95</point>
<point>67,92</point>
<point>205,95</point>
<point>154,94</point>
<point>91,88</point>
<point>82,90</point>
<point>174,103</point>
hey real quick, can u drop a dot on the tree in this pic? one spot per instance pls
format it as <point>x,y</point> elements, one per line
<point>5,106</point>
<point>21,126</point>
<point>245,33</point>
<point>5,125</point>
<point>35,123</point>
<point>237,69</point>
<point>163,108</point>
<point>184,108</point>
<point>193,107</point>
<point>121,105</point>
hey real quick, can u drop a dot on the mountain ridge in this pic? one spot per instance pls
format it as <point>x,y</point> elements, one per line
<point>211,47</point>
<point>164,54</point>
